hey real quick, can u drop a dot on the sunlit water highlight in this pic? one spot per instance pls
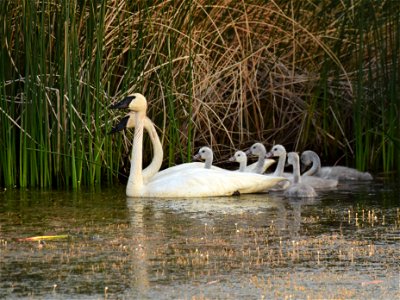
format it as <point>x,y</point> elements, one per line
<point>343,244</point>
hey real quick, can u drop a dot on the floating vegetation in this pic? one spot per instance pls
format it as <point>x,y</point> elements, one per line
<point>45,238</point>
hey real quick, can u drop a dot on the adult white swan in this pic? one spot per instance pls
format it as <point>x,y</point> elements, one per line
<point>340,173</point>
<point>192,182</point>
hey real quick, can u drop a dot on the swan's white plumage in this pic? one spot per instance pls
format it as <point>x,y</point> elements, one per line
<point>153,169</point>
<point>201,182</point>
<point>157,159</point>
<point>189,182</point>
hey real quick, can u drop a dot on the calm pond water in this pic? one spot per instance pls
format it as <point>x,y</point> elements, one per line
<point>343,244</point>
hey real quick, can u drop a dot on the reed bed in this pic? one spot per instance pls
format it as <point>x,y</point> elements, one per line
<point>323,76</point>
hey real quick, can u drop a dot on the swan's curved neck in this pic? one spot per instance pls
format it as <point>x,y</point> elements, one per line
<point>281,165</point>
<point>260,162</point>
<point>242,165</point>
<point>208,162</point>
<point>296,172</point>
<point>316,166</point>
<point>158,153</point>
<point>135,180</point>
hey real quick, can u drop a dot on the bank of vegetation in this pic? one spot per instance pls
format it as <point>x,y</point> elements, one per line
<point>321,75</point>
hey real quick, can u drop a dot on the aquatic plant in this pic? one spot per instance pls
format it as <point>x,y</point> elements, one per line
<point>320,75</point>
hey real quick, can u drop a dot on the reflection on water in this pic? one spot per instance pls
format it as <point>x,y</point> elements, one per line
<point>343,244</point>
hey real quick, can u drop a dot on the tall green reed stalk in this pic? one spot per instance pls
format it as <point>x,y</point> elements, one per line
<point>304,74</point>
<point>53,96</point>
<point>377,85</point>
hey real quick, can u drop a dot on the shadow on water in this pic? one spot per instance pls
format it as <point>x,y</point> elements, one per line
<point>342,244</point>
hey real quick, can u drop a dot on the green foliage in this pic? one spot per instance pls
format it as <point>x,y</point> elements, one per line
<point>322,75</point>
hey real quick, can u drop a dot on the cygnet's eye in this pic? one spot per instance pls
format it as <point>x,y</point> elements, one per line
<point>239,155</point>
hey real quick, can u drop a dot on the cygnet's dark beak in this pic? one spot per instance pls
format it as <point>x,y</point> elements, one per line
<point>269,155</point>
<point>248,152</point>
<point>232,158</point>
<point>197,157</point>
<point>123,103</point>
<point>120,126</point>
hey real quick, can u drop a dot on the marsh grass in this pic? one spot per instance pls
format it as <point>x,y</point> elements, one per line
<point>307,75</point>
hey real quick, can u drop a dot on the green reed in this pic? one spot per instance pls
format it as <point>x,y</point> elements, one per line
<point>53,96</point>
<point>320,75</point>
<point>377,88</point>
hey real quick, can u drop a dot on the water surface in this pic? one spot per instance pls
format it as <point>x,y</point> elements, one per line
<point>343,244</point>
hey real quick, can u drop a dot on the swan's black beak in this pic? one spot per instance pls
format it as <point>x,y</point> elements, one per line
<point>123,103</point>
<point>120,126</point>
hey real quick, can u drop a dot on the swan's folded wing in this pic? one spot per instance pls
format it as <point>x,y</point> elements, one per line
<point>200,182</point>
<point>179,168</point>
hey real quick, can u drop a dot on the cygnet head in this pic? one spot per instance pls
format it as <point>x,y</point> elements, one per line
<point>257,149</point>
<point>205,153</point>
<point>307,157</point>
<point>277,150</point>
<point>239,157</point>
<point>135,102</point>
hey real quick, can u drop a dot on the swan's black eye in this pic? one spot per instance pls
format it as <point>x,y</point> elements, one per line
<point>239,155</point>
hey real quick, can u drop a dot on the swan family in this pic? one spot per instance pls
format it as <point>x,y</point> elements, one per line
<point>185,180</point>
<point>203,179</point>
